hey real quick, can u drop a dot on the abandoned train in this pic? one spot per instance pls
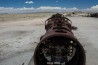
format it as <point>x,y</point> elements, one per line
<point>59,46</point>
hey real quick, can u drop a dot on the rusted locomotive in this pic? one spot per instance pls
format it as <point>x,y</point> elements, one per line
<point>59,46</point>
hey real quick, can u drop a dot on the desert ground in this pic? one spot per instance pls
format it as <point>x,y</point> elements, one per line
<point>20,34</point>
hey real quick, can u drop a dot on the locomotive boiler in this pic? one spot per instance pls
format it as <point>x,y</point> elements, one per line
<point>59,46</point>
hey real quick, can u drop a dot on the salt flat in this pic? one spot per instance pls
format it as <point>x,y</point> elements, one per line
<point>18,39</point>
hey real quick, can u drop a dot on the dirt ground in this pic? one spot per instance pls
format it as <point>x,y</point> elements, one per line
<point>18,39</point>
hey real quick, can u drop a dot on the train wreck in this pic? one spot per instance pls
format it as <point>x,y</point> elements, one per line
<point>59,46</point>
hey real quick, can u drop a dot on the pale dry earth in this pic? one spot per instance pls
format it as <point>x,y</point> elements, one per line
<point>18,39</point>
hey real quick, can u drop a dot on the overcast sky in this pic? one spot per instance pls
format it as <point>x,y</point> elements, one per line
<point>23,6</point>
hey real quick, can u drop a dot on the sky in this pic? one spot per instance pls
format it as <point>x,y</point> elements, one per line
<point>47,5</point>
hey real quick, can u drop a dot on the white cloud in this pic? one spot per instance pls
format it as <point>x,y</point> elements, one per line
<point>57,1</point>
<point>94,7</point>
<point>71,9</point>
<point>56,9</point>
<point>16,10</point>
<point>39,9</point>
<point>49,8</point>
<point>29,2</point>
<point>45,9</point>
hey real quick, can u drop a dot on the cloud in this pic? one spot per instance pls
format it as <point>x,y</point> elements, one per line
<point>16,10</point>
<point>29,2</point>
<point>71,9</point>
<point>94,7</point>
<point>49,8</point>
<point>45,9</point>
<point>56,9</point>
<point>39,9</point>
<point>57,1</point>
